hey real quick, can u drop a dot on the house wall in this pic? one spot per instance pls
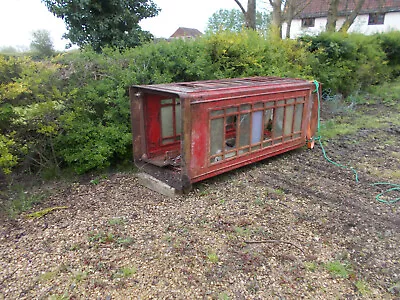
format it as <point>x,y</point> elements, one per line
<point>392,22</point>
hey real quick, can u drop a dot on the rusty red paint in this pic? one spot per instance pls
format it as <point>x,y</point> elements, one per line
<point>224,124</point>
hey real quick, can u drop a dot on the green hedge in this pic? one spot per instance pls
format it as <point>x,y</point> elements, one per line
<point>347,63</point>
<point>73,111</point>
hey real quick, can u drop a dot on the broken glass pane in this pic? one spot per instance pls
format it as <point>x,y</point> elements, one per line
<point>244,130</point>
<point>167,128</point>
<point>178,118</point>
<point>268,118</point>
<point>217,135</point>
<point>299,117</point>
<point>289,119</point>
<point>257,127</point>
<point>277,128</point>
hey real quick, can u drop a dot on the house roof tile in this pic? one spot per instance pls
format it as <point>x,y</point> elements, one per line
<point>186,32</point>
<point>319,8</point>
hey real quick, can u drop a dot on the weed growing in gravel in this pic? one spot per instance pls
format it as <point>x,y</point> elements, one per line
<point>223,296</point>
<point>279,192</point>
<point>124,241</point>
<point>259,202</point>
<point>21,201</point>
<point>108,238</point>
<point>362,287</point>
<point>78,276</point>
<point>212,256</point>
<point>339,269</point>
<point>102,238</point>
<point>64,296</point>
<point>116,221</point>
<point>311,266</point>
<point>48,275</point>
<point>395,288</point>
<point>75,247</point>
<point>124,272</point>
<point>242,231</point>
<point>95,181</point>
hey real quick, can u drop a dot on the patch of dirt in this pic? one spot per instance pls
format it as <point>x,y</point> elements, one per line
<point>319,234</point>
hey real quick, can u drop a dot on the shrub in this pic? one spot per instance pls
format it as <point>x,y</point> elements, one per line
<point>346,63</point>
<point>390,44</point>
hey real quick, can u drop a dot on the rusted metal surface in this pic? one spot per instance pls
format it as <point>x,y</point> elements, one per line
<point>187,132</point>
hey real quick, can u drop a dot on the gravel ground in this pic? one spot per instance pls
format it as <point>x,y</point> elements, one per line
<point>290,227</point>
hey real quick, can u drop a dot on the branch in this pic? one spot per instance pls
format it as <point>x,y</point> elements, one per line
<point>301,8</point>
<point>241,6</point>
<point>275,241</point>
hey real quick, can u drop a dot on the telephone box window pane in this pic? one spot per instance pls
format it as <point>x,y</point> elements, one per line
<point>268,119</point>
<point>258,105</point>
<point>230,132</point>
<point>290,101</point>
<point>289,119</point>
<point>217,135</point>
<point>257,127</point>
<point>277,127</point>
<point>299,117</point>
<point>245,107</point>
<point>178,118</point>
<point>166,101</point>
<point>231,110</point>
<point>217,112</point>
<point>167,128</point>
<point>216,159</point>
<point>244,130</point>
<point>269,104</point>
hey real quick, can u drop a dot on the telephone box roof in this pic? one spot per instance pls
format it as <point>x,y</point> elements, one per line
<point>209,88</point>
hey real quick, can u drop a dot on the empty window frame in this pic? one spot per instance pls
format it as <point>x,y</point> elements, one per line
<point>170,121</point>
<point>237,130</point>
<point>376,19</point>
<point>308,22</point>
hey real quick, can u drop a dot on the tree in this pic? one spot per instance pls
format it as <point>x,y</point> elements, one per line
<point>292,9</point>
<point>285,11</point>
<point>333,14</point>
<point>276,17</point>
<point>41,43</point>
<point>233,20</point>
<point>103,23</point>
<point>250,14</point>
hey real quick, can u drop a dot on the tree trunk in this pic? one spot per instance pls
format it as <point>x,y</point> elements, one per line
<point>289,14</point>
<point>276,17</point>
<point>350,19</point>
<point>332,16</point>
<point>251,14</point>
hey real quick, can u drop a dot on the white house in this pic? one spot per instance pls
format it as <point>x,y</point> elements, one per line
<point>375,16</point>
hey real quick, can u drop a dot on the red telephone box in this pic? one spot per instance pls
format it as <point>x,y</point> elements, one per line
<point>187,132</point>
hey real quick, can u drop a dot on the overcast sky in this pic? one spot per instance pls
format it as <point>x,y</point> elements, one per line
<point>19,18</point>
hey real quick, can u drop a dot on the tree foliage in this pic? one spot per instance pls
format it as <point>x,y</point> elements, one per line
<point>113,23</point>
<point>234,20</point>
<point>42,45</point>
